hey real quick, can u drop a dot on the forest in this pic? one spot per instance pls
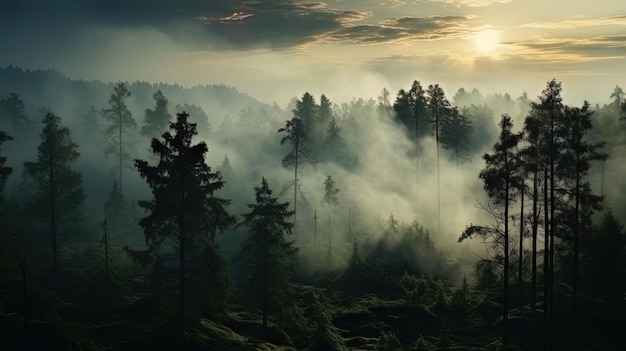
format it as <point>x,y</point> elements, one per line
<point>138,215</point>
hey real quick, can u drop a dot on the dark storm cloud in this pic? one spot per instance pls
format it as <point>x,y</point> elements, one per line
<point>233,24</point>
<point>404,28</point>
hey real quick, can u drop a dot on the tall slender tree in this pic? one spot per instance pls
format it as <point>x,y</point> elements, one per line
<point>501,178</point>
<point>296,134</point>
<point>330,199</point>
<point>120,121</point>
<point>269,257</point>
<point>576,162</point>
<point>4,170</point>
<point>57,189</point>
<point>185,210</point>
<point>438,108</point>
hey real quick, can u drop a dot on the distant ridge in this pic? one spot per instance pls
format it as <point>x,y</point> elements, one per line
<point>50,88</point>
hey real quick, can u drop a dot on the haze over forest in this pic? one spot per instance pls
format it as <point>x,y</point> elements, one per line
<point>371,169</point>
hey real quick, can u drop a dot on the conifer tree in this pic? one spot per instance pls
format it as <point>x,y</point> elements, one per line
<point>4,170</point>
<point>120,121</point>
<point>185,210</point>
<point>501,178</point>
<point>270,259</point>
<point>456,133</point>
<point>57,189</point>
<point>438,108</point>
<point>330,199</point>
<point>156,120</point>
<point>12,113</point>
<point>576,162</point>
<point>297,135</point>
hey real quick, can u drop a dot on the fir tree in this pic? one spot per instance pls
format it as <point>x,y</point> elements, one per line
<point>269,257</point>
<point>120,122</point>
<point>330,199</point>
<point>4,170</point>
<point>57,189</point>
<point>156,120</point>
<point>184,210</point>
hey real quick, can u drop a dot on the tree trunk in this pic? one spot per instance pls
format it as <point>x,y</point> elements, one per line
<point>119,113</point>
<point>576,253</point>
<point>546,261</point>
<point>53,216</point>
<point>533,292</point>
<point>330,240</point>
<point>295,173</point>
<point>315,229</point>
<point>520,268</point>
<point>182,273</point>
<point>505,299</point>
<point>264,297</point>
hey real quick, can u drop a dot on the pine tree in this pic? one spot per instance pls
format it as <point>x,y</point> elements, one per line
<point>120,121</point>
<point>184,210</point>
<point>156,121</point>
<point>456,132</point>
<point>12,113</point>
<point>296,135</point>
<point>501,178</point>
<point>438,108</point>
<point>269,257</point>
<point>330,199</point>
<point>334,141</point>
<point>4,170</point>
<point>576,162</point>
<point>197,116</point>
<point>57,189</point>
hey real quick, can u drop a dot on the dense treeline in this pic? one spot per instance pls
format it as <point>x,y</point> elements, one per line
<point>124,209</point>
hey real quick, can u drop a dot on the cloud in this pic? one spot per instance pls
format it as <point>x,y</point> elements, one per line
<point>227,23</point>
<point>403,28</point>
<point>573,50</point>
<point>577,23</point>
<point>471,3</point>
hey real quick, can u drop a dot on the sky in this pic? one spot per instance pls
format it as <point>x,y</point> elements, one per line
<point>278,49</point>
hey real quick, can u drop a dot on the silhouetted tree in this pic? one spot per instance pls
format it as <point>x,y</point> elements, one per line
<point>270,259</point>
<point>120,121</point>
<point>295,135</point>
<point>330,199</point>
<point>12,113</point>
<point>618,97</point>
<point>438,108</point>
<point>501,178</point>
<point>547,122</point>
<point>156,121</point>
<point>198,116</point>
<point>184,211</point>
<point>334,141</point>
<point>456,132</point>
<point>4,170</point>
<point>575,162</point>
<point>57,193</point>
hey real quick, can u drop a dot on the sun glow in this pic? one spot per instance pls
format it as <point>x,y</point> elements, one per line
<point>486,41</point>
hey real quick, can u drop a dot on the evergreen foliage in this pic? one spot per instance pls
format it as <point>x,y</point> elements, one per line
<point>156,120</point>
<point>270,259</point>
<point>185,211</point>
<point>120,121</point>
<point>57,192</point>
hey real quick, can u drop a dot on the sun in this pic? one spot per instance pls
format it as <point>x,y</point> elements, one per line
<point>486,41</point>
